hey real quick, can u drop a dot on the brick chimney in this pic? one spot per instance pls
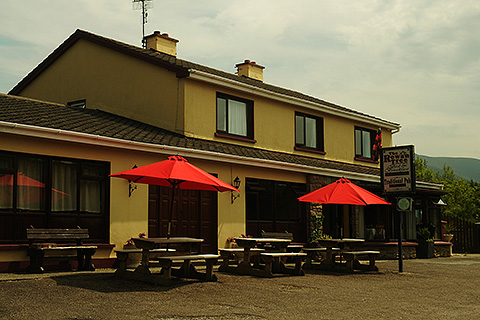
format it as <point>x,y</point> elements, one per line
<point>162,42</point>
<point>250,69</point>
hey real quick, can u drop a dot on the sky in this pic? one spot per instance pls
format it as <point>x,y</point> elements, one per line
<point>412,62</point>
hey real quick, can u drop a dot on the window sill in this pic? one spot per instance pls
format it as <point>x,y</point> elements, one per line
<point>227,136</point>
<point>366,160</point>
<point>310,150</point>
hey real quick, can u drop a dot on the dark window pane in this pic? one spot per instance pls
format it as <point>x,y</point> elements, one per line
<point>299,130</point>
<point>310,132</point>
<point>90,196</point>
<point>92,171</point>
<point>31,184</point>
<point>221,114</point>
<point>6,163</point>
<point>358,142</point>
<point>367,145</point>
<point>64,183</point>
<point>237,118</point>
<point>6,191</point>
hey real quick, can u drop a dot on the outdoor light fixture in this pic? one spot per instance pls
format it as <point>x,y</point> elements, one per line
<point>131,186</point>
<point>236,184</point>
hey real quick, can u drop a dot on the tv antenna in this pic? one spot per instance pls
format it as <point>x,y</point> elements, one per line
<point>143,5</point>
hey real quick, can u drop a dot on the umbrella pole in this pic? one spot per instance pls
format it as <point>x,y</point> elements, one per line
<point>169,229</point>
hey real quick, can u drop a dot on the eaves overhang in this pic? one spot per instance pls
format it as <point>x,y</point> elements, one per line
<point>97,140</point>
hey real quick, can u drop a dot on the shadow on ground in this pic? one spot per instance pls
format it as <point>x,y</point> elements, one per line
<point>108,283</point>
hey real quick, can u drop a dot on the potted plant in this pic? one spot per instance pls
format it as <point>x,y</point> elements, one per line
<point>449,230</point>
<point>425,248</point>
<point>230,243</point>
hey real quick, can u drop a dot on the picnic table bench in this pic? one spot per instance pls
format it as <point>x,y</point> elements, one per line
<point>273,263</point>
<point>187,270</point>
<point>61,245</point>
<point>353,262</point>
<point>229,254</point>
<point>316,254</point>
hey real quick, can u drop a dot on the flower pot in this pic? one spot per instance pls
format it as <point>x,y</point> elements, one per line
<point>447,237</point>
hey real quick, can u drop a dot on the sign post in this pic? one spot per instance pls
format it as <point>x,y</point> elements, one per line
<point>397,169</point>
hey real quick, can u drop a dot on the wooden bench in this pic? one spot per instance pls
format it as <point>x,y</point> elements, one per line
<point>61,245</point>
<point>187,269</point>
<point>274,264</point>
<point>283,235</point>
<point>353,263</point>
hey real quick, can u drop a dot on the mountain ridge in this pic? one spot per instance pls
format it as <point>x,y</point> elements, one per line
<point>467,168</point>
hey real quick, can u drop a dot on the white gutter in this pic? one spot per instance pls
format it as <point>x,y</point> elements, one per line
<point>97,140</point>
<point>232,84</point>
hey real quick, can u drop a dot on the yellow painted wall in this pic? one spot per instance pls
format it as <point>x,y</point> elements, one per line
<point>112,82</point>
<point>274,123</point>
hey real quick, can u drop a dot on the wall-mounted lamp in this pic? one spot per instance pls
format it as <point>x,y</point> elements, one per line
<point>236,183</point>
<point>131,186</point>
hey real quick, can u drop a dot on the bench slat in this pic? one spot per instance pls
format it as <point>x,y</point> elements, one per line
<point>190,257</point>
<point>241,250</point>
<point>284,254</point>
<point>358,253</point>
<point>57,234</point>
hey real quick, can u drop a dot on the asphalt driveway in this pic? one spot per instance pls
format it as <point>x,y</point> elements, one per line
<point>441,288</point>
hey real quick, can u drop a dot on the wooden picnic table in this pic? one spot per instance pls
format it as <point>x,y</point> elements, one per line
<point>184,247</point>
<point>273,260</point>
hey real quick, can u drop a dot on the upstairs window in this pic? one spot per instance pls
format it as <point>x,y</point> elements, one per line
<point>364,139</point>
<point>234,117</point>
<point>308,132</point>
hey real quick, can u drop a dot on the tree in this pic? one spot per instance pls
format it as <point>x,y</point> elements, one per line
<point>463,197</point>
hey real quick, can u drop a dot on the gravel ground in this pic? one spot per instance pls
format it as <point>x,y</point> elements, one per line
<point>441,288</point>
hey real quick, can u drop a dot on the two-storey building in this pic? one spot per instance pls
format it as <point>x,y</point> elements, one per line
<point>113,105</point>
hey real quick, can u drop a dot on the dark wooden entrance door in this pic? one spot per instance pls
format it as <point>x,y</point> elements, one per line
<point>196,216</point>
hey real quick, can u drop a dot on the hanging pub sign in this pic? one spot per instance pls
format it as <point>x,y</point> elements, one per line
<point>397,168</point>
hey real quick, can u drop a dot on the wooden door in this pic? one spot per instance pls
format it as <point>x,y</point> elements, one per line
<point>194,215</point>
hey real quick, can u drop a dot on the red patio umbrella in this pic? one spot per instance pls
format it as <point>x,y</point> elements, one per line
<point>343,191</point>
<point>175,172</point>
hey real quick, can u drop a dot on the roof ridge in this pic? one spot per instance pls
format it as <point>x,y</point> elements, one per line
<point>9,96</point>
